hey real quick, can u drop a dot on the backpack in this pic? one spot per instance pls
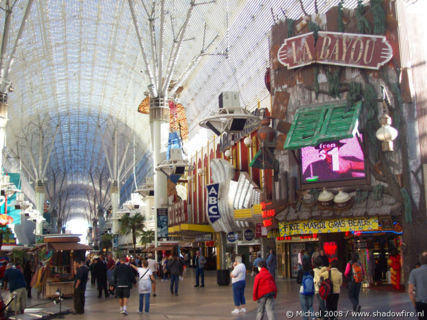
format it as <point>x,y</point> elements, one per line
<point>325,287</point>
<point>308,285</point>
<point>144,284</point>
<point>356,269</point>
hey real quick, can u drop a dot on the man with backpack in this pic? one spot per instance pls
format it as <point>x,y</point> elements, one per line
<point>305,277</point>
<point>331,278</point>
<point>354,272</point>
<point>319,269</point>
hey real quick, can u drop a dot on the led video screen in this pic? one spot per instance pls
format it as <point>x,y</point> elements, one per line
<point>333,161</point>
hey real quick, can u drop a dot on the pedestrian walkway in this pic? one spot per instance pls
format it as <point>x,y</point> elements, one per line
<point>214,302</point>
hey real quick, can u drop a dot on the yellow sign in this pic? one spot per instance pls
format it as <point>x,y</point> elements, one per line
<point>328,226</point>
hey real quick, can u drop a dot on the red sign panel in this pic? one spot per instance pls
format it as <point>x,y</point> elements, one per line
<point>336,48</point>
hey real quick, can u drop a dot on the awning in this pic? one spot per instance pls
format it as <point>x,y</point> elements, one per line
<point>312,126</point>
<point>58,246</point>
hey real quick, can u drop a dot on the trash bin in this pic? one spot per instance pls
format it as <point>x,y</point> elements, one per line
<point>223,277</point>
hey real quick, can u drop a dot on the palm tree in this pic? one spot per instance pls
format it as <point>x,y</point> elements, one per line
<point>147,236</point>
<point>134,223</point>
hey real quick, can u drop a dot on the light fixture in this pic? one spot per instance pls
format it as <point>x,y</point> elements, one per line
<point>227,153</point>
<point>386,133</point>
<point>176,166</point>
<point>325,198</point>
<point>341,199</point>
<point>247,141</point>
<point>230,116</point>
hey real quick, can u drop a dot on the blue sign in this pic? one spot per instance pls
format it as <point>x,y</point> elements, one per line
<point>249,235</point>
<point>212,199</point>
<point>162,223</point>
<point>232,236</point>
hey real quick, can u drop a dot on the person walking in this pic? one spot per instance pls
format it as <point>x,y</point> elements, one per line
<point>417,287</point>
<point>336,278</point>
<point>28,274</point>
<point>272,263</point>
<point>145,281</point>
<point>15,281</point>
<point>200,262</point>
<point>82,274</point>
<point>354,273</point>
<point>318,270</point>
<point>100,272</point>
<point>324,257</point>
<point>256,264</point>
<point>152,265</point>
<point>264,292</point>
<point>175,269</point>
<point>238,279</point>
<point>123,278</point>
<point>306,293</point>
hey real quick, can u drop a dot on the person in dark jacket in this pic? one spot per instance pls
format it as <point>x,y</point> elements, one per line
<point>123,279</point>
<point>100,271</point>
<point>306,300</point>
<point>82,273</point>
<point>28,274</point>
<point>175,269</point>
<point>264,292</point>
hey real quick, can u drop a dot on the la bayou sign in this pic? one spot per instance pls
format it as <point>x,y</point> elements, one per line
<point>335,48</point>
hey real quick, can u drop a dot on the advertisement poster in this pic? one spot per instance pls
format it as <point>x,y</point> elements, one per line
<point>333,161</point>
<point>162,223</point>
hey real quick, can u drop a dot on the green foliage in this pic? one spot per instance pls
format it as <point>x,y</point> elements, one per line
<point>315,28</point>
<point>334,83</point>
<point>17,256</point>
<point>291,27</point>
<point>147,236</point>
<point>134,224</point>
<point>379,16</point>
<point>363,25</point>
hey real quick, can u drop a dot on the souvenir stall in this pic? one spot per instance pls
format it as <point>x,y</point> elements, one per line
<point>57,258</point>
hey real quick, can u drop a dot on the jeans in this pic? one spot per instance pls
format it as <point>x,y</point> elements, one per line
<point>322,306</point>
<point>265,305</point>
<point>174,280</point>
<point>147,302</point>
<point>420,307</point>
<point>353,293</point>
<point>306,306</point>
<point>332,303</point>
<point>239,293</point>
<point>79,300</point>
<point>200,272</point>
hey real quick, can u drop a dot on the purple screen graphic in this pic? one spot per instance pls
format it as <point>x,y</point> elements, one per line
<point>333,161</point>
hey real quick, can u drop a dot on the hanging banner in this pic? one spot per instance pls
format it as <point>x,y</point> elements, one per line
<point>162,223</point>
<point>336,48</point>
<point>212,202</point>
<point>328,226</point>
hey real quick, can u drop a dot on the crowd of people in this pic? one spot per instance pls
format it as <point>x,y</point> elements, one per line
<point>319,280</point>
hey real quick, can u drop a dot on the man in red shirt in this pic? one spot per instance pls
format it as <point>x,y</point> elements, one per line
<point>265,292</point>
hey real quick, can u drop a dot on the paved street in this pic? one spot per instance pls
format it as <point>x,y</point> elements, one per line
<point>214,302</point>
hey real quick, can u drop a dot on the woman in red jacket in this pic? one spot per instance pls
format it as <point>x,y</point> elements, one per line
<point>265,292</point>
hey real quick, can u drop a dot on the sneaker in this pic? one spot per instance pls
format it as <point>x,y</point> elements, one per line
<point>125,312</point>
<point>243,310</point>
<point>122,311</point>
<point>196,285</point>
<point>202,286</point>
<point>235,311</point>
<point>154,295</point>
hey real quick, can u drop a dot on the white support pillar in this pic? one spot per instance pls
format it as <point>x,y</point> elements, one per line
<point>40,197</point>
<point>3,123</point>
<point>159,120</point>
<point>115,199</point>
